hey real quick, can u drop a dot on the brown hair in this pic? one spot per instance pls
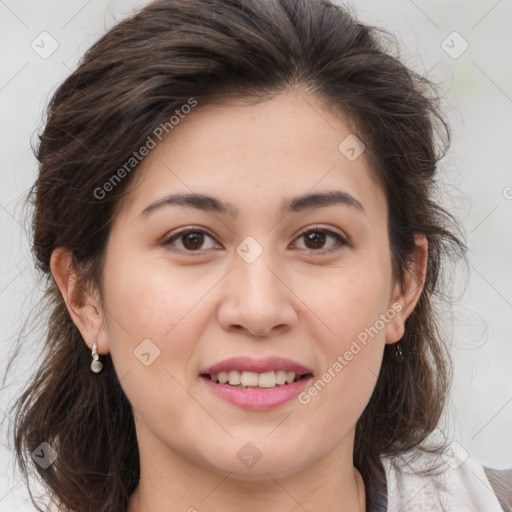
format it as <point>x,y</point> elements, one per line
<point>133,79</point>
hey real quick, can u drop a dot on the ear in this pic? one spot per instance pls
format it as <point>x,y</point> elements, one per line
<point>407,294</point>
<point>83,301</point>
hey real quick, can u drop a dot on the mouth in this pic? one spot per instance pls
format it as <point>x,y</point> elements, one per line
<point>248,373</point>
<point>256,391</point>
<point>256,380</point>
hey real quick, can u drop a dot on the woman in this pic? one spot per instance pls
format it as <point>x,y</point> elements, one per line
<point>234,213</point>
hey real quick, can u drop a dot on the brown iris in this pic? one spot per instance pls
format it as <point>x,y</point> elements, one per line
<point>193,240</point>
<point>316,237</point>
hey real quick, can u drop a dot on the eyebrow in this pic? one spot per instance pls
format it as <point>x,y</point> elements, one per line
<point>296,204</point>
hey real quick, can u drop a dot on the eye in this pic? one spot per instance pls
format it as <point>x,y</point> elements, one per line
<point>316,237</point>
<point>191,240</point>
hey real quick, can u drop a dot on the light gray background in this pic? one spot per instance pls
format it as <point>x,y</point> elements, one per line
<point>476,179</point>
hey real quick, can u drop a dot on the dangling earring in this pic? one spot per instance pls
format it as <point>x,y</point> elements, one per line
<point>398,352</point>
<point>96,364</point>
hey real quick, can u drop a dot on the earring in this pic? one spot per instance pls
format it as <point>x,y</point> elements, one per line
<point>96,364</point>
<point>398,352</point>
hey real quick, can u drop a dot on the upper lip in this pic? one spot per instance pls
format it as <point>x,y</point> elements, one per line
<point>250,364</point>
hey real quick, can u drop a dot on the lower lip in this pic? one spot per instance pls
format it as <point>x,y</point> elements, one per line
<point>258,399</point>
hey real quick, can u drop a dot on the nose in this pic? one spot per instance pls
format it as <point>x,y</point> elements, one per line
<point>257,299</point>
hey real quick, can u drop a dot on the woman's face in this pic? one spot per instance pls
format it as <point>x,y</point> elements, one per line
<point>274,275</point>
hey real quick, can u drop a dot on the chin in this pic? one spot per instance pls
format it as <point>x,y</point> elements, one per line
<point>251,464</point>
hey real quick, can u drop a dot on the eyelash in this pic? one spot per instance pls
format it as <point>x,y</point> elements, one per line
<point>341,242</point>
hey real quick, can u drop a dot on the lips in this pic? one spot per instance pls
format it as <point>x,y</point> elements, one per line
<point>249,364</point>
<point>256,384</point>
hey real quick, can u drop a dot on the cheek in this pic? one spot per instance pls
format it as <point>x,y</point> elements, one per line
<point>342,392</point>
<point>151,295</point>
<point>350,306</point>
<point>351,359</point>
<point>155,316</point>
<point>150,300</point>
<point>352,317</point>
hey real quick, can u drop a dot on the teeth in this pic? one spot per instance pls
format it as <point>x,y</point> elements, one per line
<point>234,378</point>
<point>249,378</point>
<point>280,376</point>
<point>268,379</point>
<point>252,379</point>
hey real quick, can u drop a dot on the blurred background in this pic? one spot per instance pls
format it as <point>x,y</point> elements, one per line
<point>463,46</point>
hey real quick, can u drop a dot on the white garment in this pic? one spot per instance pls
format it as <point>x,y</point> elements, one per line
<point>460,484</point>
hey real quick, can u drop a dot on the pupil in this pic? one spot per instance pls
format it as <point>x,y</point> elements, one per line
<point>316,237</point>
<point>196,240</point>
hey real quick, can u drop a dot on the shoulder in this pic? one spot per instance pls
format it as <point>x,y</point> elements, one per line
<point>451,482</point>
<point>501,482</point>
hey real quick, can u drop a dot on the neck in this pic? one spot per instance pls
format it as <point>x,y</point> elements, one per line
<point>171,483</point>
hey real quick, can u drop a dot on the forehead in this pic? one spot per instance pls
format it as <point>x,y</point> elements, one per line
<point>255,156</point>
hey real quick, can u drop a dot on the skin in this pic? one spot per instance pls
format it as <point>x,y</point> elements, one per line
<point>199,310</point>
